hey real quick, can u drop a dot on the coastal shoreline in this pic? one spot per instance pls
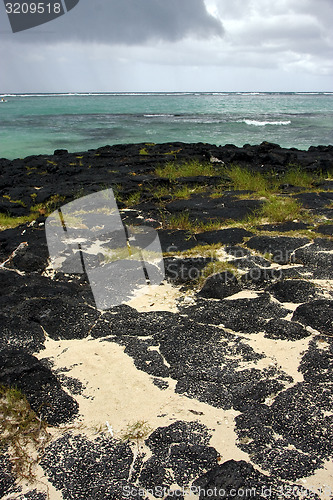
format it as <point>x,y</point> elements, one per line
<point>34,179</point>
<point>218,378</point>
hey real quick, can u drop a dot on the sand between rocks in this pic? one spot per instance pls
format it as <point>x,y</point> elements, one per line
<point>118,393</point>
<point>115,391</point>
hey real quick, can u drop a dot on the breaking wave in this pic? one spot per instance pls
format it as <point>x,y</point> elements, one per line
<point>258,123</point>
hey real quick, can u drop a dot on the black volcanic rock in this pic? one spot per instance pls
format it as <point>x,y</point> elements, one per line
<point>38,384</point>
<point>296,291</point>
<point>89,469</point>
<point>204,209</point>
<point>281,247</point>
<point>315,200</point>
<point>181,447</point>
<point>176,241</point>
<point>17,331</point>
<point>246,315</point>
<point>317,257</point>
<point>285,330</point>
<point>318,314</point>
<point>29,242</point>
<point>62,318</point>
<point>7,480</point>
<point>219,286</point>
<point>317,363</point>
<point>186,270</point>
<point>325,229</point>
<point>284,227</point>
<point>231,479</point>
<point>230,236</point>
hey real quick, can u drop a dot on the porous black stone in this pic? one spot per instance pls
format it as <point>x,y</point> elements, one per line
<point>33,254</point>
<point>145,359</point>
<point>62,318</point>
<point>238,479</point>
<point>32,495</point>
<point>176,241</point>
<point>315,201</point>
<point>296,291</point>
<point>230,236</point>
<point>284,227</point>
<point>252,262</point>
<point>19,332</point>
<point>237,252</point>
<point>280,247</point>
<point>89,469</point>
<point>317,363</point>
<point>258,278</point>
<point>219,286</point>
<point>325,229</point>
<point>285,330</point>
<point>318,314</point>
<point>187,270</point>
<point>40,386</point>
<point>7,479</point>
<point>124,320</point>
<point>246,315</point>
<point>317,257</point>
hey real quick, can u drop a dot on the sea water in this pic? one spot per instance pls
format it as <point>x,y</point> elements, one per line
<point>32,124</point>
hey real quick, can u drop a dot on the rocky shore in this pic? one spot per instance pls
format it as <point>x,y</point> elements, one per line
<point>221,380</point>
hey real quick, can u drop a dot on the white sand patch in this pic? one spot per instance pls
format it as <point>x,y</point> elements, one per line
<point>291,306</point>
<point>162,297</point>
<point>118,393</point>
<point>243,294</point>
<point>284,354</point>
<point>321,482</point>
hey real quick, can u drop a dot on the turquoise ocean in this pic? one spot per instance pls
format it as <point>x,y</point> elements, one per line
<point>32,124</point>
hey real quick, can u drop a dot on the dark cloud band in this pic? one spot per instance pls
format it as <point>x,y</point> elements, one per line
<point>130,22</point>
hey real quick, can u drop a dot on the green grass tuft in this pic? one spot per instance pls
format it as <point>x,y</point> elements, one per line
<point>21,432</point>
<point>180,221</point>
<point>16,202</point>
<point>244,179</point>
<point>185,192</point>
<point>277,209</point>
<point>282,209</point>
<point>183,221</point>
<point>159,192</point>
<point>298,177</point>
<point>136,432</point>
<point>7,222</point>
<point>216,267</point>
<point>133,199</point>
<point>193,168</point>
<point>47,207</point>
<point>199,250</point>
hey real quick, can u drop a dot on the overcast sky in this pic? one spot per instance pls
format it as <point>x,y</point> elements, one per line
<point>173,45</point>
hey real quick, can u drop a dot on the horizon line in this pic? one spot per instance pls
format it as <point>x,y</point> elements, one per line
<point>171,92</point>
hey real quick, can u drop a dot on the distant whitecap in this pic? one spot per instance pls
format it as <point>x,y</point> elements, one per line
<point>258,123</point>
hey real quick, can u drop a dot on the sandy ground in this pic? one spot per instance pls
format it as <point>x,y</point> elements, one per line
<point>157,298</point>
<point>117,394</point>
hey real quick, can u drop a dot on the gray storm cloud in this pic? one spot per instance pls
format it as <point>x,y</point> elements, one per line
<point>129,22</point>
<point>138,45</point>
